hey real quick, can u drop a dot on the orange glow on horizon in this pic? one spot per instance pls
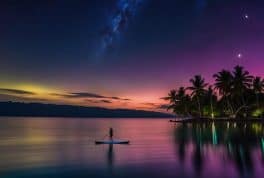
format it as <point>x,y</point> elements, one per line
<point>44,94</point>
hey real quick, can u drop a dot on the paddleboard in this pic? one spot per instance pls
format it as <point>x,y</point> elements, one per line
<point>111,142</point>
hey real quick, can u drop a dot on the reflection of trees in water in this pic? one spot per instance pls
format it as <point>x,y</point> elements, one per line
<point>243,159</point>
<point>197,155</point>
<point>181,139</point>
<point>239,139</point>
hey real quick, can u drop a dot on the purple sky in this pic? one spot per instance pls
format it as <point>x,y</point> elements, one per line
<point>121,53</point>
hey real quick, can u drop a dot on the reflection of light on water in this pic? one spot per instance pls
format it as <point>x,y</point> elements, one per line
<point>31,140</point>
<point>262,145</point>
<point>257,128</point>
<point>214,133</point>
<point>110,155</point>
<point>211,150</point>
<point>230,148</point>
<point>242,156</point>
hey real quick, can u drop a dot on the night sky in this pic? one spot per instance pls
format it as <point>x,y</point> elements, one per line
<point>122,53</point>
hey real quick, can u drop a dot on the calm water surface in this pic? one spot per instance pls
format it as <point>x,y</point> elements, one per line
<point>57,147</point>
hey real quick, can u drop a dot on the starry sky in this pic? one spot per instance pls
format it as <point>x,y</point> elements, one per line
<point>122,53</point>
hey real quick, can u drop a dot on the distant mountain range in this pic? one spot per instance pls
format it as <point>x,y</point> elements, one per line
<point>53,110</point>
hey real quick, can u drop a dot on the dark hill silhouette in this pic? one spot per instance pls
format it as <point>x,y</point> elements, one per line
<point>53,110</point>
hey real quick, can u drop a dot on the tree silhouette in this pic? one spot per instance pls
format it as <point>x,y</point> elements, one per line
<point>258,87</point>
<point>239,94</point>
<point>223,83</point>
<point>198,90</point>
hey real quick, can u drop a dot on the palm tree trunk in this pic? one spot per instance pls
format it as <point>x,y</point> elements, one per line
<point>199,106</point>
<point>243,99</point>
<point>212,109</point>
<point>244,103</point>
<point>185,108</point>
<point>257,98</point>
<point>229,105</point>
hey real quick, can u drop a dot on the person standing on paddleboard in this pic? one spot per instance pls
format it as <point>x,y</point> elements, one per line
<point>111,133</point>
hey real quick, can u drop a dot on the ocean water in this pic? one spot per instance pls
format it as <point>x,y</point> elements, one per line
<point>64,147</point>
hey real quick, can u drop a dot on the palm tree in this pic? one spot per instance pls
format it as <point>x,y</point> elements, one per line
<point>183,101</point>
<point>236,88</point>
<point>241,82</point>
<point>223,83</point>
<point>211,96</point>
<point>258,87</point>
<point>172,97</point>
<point>198,90</point>
<point>178,100</point>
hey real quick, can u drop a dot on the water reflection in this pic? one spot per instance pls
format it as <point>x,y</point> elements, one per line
<point>55,147</point>
<point>181,138</point>
<point>110,155</point>
<point>239,141</point>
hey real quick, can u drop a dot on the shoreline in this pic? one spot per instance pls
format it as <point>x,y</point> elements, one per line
<point>209,120</point>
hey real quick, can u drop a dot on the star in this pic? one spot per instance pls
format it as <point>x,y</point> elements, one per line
<point>246,16</point>
<point>239,55</point>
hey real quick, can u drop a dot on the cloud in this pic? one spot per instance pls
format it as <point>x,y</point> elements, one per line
<point>98,101</point>
<point>117,98</point>
<point>156,105</point>
<point>163,106</point>
<point>150,104</point>
<point>20,98</point>
<point>127,99</point>
<point>114,97</point>
<point>15,91</point>
<point>88,95</point>
<point>79,95</point>
<point>85,95</point>
<point>91,101</point>
<point>106,101</point>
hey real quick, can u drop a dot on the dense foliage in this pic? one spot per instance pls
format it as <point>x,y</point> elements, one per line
<point>234,94</point>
